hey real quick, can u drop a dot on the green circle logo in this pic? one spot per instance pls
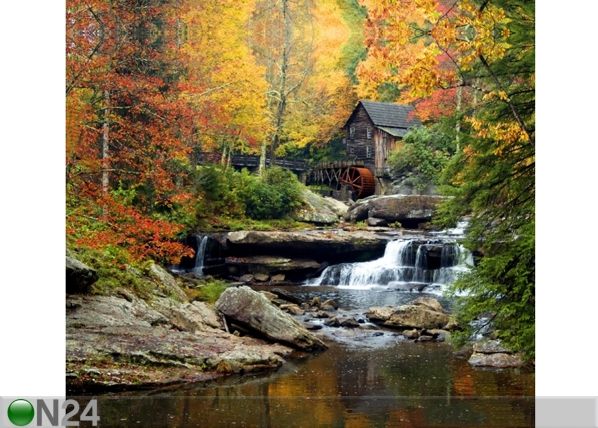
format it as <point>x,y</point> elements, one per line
<point>20,412</point>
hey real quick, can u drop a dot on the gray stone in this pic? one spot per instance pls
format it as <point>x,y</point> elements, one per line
<point>318,210</point>
<point>307,244</point>
<point>285,295</point>
<point>79,276</point>
<point>321,314</point>
<point>411,334</point>
<point>349,323</point>
<point>311,326</point>
<point>252,309</point>
<point>379,313</point>
<point>315,302</point>
<point>270,265</point>
<point>292,309</point>
<point>452,324</point>
<point>356,212</point>
<point>393,208</point>
<point>166,283</point>
<point>191,317</point>
<point>429,302</point>
<point>425,338</point>
<point>439,335</point>
<point>111,341</point>
<point>269,296</point>
<point>332,322</point>
<point>377,222</point>
<point>246,278</point>
<point>261,277</point>
<point>497,360</point>
<point>490,347</point>
<point>416,316</point>
<point>278,278</point>
<point>331,303</point>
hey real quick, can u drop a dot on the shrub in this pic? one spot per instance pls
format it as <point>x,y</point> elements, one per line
<point>422,156</point>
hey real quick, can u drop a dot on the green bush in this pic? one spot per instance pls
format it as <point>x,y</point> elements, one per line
<point>422,157</point>
<point>230,193</point>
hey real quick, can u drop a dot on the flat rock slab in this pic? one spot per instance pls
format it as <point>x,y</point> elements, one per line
<point>252,309</point>
<point>117,342</point>
<point>319,245</point>
<point>497,360</point>
<point>272,265</point>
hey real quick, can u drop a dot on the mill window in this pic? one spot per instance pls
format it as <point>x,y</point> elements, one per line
<point>368,132</point>
<point>352,132</point>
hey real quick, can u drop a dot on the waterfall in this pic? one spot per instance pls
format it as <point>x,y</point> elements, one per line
<point>200,253</point>
<point>407,264</point>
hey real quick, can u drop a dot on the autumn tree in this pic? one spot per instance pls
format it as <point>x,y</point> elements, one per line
<point>127,130</point>
<point>477,57</point>
<point>309,91</point>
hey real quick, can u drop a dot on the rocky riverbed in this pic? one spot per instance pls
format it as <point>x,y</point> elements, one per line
<point>124,339</point>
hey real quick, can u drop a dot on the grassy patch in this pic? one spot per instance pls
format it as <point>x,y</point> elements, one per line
<point>209,292</point>
<point>115,271</point>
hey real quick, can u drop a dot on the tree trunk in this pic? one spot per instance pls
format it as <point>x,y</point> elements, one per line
<point>282,90</point>
<point>106,142</point>
<point>223,157</point>
<point>262,166</point>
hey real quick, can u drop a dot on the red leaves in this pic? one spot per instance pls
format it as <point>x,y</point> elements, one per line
<point>126,227</point>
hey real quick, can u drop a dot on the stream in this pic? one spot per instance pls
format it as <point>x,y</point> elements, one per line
<point>363,380</point>
<point>369,377</point>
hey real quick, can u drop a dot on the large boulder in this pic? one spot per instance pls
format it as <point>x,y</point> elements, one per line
<point>422,313</point>
<point>79,276</point>
<point>379,313</point>
<point>319,210</point>
<point>409,210</point>
<point>254,311</point>
<point>416,316</point>
<point>497,360</point>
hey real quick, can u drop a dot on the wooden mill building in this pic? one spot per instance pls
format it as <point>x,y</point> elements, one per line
<point>372,131</point>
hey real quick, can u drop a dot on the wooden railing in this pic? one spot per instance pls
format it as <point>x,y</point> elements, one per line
<point>252,161</point>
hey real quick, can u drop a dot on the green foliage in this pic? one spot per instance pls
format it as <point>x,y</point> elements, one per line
<point>354,51</point>
<point>422,156</point>
<point>493,181</point>
<point>210,291</point>
<point>225,193</point>
<point>502,289</point>
<point>115,271</point>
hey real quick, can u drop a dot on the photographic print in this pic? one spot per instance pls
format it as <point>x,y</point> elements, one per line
<point>300,213</point>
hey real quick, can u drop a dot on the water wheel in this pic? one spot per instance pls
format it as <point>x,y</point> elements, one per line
<point>360,180</point>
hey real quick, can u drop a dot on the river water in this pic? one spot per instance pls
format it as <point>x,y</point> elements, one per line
<point>368,378</point>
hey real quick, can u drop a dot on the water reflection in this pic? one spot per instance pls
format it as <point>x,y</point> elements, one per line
<point>405,385</point>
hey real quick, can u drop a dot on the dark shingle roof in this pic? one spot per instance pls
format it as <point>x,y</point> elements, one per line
<point>390,115</point>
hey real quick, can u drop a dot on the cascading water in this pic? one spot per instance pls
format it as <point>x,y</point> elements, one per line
<point>200,254</point>
<point>406,263</point>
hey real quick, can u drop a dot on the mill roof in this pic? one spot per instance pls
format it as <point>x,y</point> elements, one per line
<point>390,117</point>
